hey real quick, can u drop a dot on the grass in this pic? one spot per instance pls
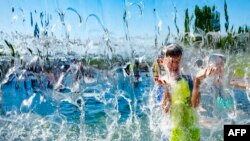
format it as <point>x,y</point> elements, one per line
<point>240,65</point>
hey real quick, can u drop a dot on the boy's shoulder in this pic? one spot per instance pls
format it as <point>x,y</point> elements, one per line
<point>187,77</point>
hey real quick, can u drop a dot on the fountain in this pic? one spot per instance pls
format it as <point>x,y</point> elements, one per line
<point>63,70</point>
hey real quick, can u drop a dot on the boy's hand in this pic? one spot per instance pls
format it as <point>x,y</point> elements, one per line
<point>165,107</point>
<point>160,81</point>
<point>204,73</point>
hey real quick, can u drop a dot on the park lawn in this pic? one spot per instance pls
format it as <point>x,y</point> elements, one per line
<point>240,64</point>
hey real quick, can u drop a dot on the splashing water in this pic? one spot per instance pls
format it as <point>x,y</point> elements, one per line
<point>61,88</point>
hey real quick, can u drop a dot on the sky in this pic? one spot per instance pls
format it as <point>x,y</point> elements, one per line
<point>140,18</point>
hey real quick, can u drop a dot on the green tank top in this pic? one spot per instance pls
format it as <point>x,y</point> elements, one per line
<point>181,92</point>
<point>183,116</point>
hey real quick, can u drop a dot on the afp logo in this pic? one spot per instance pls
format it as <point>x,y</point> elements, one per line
<point>234,132</point>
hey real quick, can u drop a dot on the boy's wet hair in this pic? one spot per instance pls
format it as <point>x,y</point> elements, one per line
<point>172,50</point>
<point>215,58</point>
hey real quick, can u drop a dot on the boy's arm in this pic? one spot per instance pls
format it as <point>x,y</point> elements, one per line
<point>166,103</point>
<point>195,99</point>
<point>238,84</point>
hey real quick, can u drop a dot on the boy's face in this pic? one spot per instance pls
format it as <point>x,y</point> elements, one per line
<point>172,64</point>
<point>218,67</point>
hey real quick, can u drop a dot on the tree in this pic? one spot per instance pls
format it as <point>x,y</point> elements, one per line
<point>226,16</point>
<point>204,18</point>
<point>187,21</point>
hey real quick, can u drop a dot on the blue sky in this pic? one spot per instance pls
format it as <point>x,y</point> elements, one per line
<point>111,14</point>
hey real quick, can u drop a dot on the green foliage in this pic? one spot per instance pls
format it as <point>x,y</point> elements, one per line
<point>207,19</point>
<point>186,27</point>
<point>240,30</point>
<point>226,42</point>
<point>187,21</point>
<point>243,29</point>
<point>246,29</point>
<point>226,16</point>
<point>99,63</point>
<point>239,63</point>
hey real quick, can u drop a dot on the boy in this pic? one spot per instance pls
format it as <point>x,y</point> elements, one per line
<point>177,97</point>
